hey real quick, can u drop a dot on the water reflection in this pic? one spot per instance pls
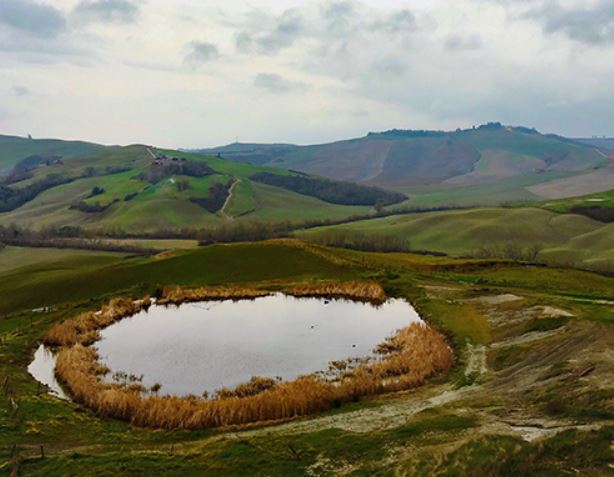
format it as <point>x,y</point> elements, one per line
<point>42,369</point>
<point>198,347</point>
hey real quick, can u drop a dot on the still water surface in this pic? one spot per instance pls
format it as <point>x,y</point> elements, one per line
<point>204,346</point>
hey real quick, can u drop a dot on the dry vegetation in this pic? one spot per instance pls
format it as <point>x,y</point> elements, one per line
<point>177,295</point>
<point>404,361</point>
<point>423,353</point>
<point>369,291</point>
<point>84,328</point>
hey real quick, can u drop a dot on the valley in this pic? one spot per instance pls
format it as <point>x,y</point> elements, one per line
<point>318,238</point>
<point>506,257</point>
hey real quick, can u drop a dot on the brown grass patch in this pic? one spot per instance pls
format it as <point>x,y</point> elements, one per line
<point>177,295</point>
<point>403,361</point>
<point>369,291</point>
<point>423,353</point>
<point>84,328</point>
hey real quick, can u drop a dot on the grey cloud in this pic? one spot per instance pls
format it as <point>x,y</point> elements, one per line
<point>200,52</point>
<point>458,42</point>
<point>274,83</point>
<point>19,90</point>
<point>590,23</point>
<point>390,66</point>
<point>339,15</point>
<point>27,49</point>
<point>109,11</point>
<point>334,25</point>
<point>284,31</point>
<point>36,19</point>
<point>400,21</point>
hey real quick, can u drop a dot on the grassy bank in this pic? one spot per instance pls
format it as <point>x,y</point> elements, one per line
<point>445,428</point>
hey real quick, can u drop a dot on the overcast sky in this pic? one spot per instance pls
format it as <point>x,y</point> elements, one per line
<point>184,73</point>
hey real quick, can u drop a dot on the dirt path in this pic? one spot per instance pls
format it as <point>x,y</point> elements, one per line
<point>394,412</point>
<point>227,201</point>
<point>151,153</point>
<point>513,384</point>
<point>602,153</point>
<point>525,338</point>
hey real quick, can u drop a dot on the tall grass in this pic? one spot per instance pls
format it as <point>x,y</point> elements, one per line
<point>177,294</point>
<point>404,360</point>
<point>370,291</point>
<point>84,328</point>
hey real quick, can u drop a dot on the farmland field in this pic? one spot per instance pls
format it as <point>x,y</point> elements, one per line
<point>559,238</point>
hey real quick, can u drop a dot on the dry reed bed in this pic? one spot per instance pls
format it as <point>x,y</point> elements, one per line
<point>365,291</point>
<point>84,328</point>
<point>176,294</point>
<point>407,359</point>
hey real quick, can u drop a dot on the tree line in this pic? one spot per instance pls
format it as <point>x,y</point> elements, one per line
<point>54,238</point>
<point>216,197</point>
<point>334,192</point>
<point>596,212</point>
<point>175,167</point>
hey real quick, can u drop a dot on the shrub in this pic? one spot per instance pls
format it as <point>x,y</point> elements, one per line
<point>358,240</point>
<point>216,198</point>
<point>11,198</point>
<point>169,167</point>
<point>510,251</point>
<point>96,191</point>
<point>597,212</point>
<point>92,208</point>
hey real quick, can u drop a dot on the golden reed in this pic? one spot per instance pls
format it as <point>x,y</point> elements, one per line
<point>406,360</point>
<point>367,291</point>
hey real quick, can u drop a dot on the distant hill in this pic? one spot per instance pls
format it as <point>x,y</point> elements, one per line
<point>142,189</point>
<point>458,165</point>
<point>53,183</point>
<point>558,238</point>
<point>606,143</point>
<point>14,149</point>
<point>252,153</point>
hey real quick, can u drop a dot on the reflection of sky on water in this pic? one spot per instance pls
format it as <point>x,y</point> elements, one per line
<point>208,345</point>
<point>42,368</point>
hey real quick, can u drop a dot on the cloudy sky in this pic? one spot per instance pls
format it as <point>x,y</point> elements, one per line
<point>185,73</point>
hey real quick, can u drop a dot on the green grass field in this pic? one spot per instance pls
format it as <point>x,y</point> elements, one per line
<point>135,205</point>
<point>18,257</point>
<point>382,436</point>
<point>13,149</point>
<point>562,238</point>
<point>603,199</point>
<point>505,190</point>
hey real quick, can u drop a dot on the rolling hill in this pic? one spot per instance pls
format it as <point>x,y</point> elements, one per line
<point>14,149</point>
<point>525,164</point>
<point>142,189</point>
<point>604,143</point>
<point>559,238</point>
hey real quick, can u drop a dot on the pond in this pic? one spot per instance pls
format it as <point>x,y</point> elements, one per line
<point>42,368</point>
<point>205,346</point>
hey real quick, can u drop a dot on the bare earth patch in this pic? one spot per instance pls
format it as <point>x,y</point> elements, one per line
<point>495,299</point>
